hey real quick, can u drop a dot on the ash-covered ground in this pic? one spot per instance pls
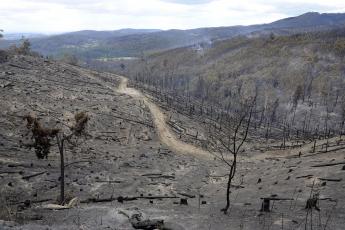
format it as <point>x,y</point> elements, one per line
<point>126,154</point>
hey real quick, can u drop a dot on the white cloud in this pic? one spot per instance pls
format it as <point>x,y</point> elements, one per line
<point>65,15</point>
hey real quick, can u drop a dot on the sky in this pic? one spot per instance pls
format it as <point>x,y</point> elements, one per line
<point>57,16</point>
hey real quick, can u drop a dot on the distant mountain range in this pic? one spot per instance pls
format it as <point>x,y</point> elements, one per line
<point>17,36</point>
<point>90,45</point>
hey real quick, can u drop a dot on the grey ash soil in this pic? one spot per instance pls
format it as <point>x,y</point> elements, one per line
<point>125,158</point>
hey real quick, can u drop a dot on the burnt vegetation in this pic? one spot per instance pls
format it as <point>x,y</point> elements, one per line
<point>262,107</point>
<point>43,137</point>
<point>298,80</point>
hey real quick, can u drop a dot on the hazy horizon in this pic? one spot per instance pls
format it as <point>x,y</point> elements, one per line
<point>90,29</point>
<point>61,16</point>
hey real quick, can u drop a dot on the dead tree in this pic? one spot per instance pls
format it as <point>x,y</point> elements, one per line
<point>233,145</point>
<point>312,203</point>
<point>342,123</point>
<point>42,141</point>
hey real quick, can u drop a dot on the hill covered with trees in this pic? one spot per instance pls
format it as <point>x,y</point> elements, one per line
<point>297,79</point>
<point>105,45</point>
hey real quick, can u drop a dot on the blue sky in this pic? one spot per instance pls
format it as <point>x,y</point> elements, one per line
<point>55,16</point>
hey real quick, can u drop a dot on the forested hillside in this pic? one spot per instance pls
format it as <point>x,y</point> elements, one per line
<point>296,79</point>
<point>102,46</point>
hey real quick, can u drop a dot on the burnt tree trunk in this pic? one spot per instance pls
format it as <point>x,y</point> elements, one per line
<point>231,176</point>
<point>314,146</point>
<point>265,206</point>
<point>62,169</point>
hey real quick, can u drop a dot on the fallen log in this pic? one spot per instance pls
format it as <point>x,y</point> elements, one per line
<point>83,161</point>
<point>186,195</point>
<point>306,176</point>
<point>98,200</point>
<point>152,174</point>
<point>109,181</point>
<point>24,165</point>
<point>330,179</point>
<point>138,223</point>
<point>146,197</point>
<point>275,198</point>
<point>121,199</point>
<point>162,176</point>
<point>33,175</point>
<point>18,66</point>
<point>176,127</point>
<point>328,164</point>
<point>11,172</point>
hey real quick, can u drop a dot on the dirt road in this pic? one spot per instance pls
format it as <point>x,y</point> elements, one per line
<point>165,134</point>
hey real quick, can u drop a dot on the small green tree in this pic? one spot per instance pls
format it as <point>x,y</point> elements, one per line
<point>42,141</point>
<point>1,35</point>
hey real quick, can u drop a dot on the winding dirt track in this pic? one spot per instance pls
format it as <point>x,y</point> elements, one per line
<point>165,134</point>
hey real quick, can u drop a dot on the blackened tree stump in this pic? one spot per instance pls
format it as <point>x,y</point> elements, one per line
<point>265,205</point>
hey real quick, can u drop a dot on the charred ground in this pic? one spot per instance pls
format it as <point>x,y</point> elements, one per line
<point>123,156</point>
